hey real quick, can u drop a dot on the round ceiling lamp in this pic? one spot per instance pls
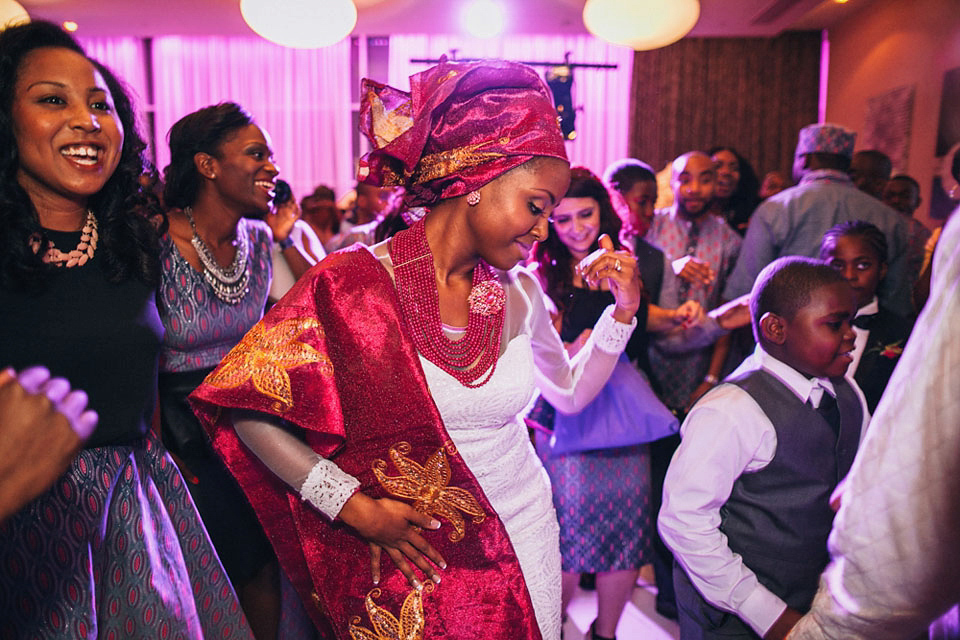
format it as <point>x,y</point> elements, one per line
<point>483,18</point>
<point>641,24</point>
<point>12,13</point>
<point>301,24</point>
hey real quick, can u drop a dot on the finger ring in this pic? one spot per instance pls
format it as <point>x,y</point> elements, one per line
<point>616,266</point>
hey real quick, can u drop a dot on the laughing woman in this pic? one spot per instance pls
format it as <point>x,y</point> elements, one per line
<point>216,277</point>
<point>115,547</point>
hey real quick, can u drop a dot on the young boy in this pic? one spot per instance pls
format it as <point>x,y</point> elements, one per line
<point>746,505</point>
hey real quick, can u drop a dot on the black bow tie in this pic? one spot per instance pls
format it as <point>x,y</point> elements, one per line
<point>864,321</point>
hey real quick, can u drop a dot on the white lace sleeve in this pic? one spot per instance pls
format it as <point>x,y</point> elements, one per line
<point>318,480</point>
<point>569,384</point>
<point>610,335</point>
<point>328,487</point>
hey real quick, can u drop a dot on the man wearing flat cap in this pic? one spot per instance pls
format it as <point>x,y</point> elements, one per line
<point>793,221</point>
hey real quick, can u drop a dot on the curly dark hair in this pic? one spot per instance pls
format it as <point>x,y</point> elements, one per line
<point>745,197</point>
<point>555,259</point>
<point>202,131</point>
<point>129,224</point>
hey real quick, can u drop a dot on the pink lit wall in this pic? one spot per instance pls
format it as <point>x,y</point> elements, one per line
<point>890,44</point>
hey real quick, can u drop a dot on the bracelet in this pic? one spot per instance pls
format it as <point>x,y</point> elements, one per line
<point>286,243</point>
<point>711,380</point>
<point>328,488</point>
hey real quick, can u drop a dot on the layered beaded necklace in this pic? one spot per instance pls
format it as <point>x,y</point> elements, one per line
<point>231,284</point>
<point>476,353</point>
<point>78,256</point>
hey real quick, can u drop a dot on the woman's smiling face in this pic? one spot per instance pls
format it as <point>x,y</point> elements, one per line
<point>513,211</point>
<point>577,224</point>
<point>69,138</point>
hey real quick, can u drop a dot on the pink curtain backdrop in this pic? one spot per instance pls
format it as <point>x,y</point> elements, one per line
<point>126,58</point>
<point>603,125</point>
<point>300,97</point>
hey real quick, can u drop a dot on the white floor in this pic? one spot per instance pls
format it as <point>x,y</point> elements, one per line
<point>640,621</point>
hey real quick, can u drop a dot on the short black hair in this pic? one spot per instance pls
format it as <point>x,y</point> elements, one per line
<point>908,179</point>
<point>881,161</point>
<point>786,285</point>
<point>623,174</point>
<point>870,233</point>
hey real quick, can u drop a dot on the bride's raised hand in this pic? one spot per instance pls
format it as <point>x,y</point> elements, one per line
<point>619,268</point>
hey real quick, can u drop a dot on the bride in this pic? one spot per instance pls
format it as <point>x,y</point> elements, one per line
<point>384,391</point>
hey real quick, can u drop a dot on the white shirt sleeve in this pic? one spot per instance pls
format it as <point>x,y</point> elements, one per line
<point>569,384</point>
<point>725,436</point>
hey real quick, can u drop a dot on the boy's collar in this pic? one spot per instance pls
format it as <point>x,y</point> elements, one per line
<point>800,384</point>
<point>870,309</point>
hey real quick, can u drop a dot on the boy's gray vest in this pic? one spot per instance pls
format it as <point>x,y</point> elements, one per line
<point>778,518</point>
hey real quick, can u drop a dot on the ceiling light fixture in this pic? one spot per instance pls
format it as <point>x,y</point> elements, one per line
<point>301,24</point>
<point>483,18</point>
<point>12,13</point>
<point>641,24</point>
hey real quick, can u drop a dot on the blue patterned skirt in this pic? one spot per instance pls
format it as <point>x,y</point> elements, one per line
<point>603,506</point>
<point>114,549</point>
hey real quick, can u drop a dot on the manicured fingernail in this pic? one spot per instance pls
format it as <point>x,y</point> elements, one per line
<point>434,524</point>
<point>417,585</point>
<point>376,581</point>
<point>436,578</point>
<point>443,565</point>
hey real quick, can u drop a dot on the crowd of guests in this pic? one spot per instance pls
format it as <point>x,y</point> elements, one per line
<point>283,401</point>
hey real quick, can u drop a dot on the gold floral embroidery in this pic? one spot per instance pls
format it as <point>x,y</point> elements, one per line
<point>427,486</point>
<point>439,165</point>
<point>264,355</point>
<point>385,625</point>
<point>387,126</point>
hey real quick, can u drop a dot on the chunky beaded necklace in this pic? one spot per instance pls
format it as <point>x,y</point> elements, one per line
<point>476,353</point>
<point>77,257</point>
<point>230,284</point>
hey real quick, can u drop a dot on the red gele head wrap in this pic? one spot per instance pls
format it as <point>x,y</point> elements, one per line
<point>462,125</point>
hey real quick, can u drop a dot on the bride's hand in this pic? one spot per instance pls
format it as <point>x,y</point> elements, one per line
<point>619,268</point>
<point>394,526</point>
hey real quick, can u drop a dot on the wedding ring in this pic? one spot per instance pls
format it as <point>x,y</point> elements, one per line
<point>616,266</point>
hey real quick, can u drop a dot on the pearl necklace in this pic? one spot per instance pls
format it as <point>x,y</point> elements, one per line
<point>231,284</point>
<point>476,353</point>
<point>77,257</point>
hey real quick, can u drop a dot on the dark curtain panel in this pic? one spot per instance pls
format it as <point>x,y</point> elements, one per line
<point>753,94</point>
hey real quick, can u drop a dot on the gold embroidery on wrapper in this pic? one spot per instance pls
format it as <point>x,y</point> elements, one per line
<point>444,163</point>
<point>264,356</point>
<point>385,626</point>
<point>427,486</point>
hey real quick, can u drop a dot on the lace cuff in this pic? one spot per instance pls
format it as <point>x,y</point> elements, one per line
<point>328,488</point>
<point>610,335</point>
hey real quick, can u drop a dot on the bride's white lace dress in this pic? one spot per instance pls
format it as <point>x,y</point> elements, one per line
<point>485,426</point>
